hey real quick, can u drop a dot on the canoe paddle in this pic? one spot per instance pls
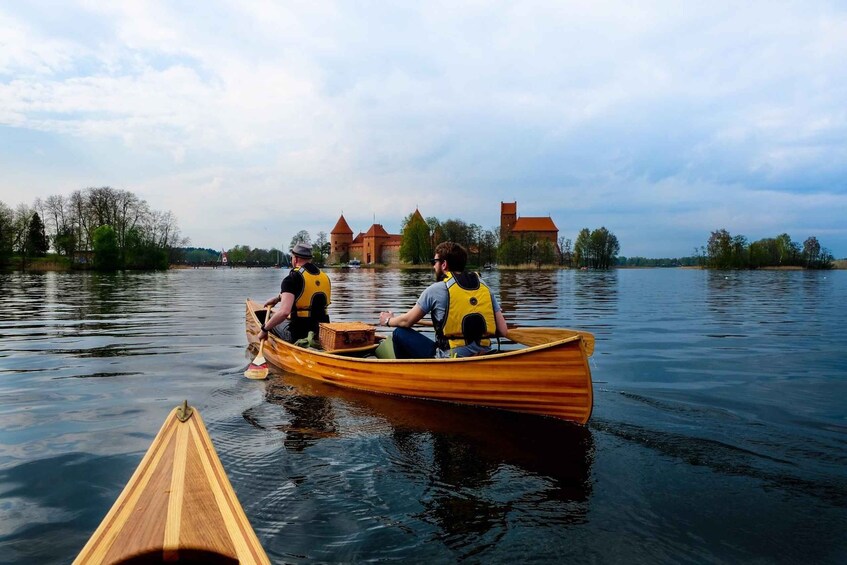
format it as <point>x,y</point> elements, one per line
<point>258,369</point>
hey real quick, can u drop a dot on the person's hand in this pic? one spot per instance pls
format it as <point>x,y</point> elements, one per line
<point>384,317</point>
<point>271,302</point>
<point>263,335</point>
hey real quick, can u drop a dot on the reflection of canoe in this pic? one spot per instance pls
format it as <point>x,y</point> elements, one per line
<point>493,437</point>
<point>178,506</point>
<point>551,379</point>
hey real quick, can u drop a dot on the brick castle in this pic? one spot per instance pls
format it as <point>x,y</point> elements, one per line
<point>378,246</point>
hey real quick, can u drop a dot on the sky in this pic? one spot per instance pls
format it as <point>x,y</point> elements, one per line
<point>253,120</point>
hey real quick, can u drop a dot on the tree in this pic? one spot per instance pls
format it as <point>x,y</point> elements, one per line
<point>37,243</point>
<point>416,245</point>
<point>7,219</point>
<point>322,248</point>
<point>545,253</point>
<point>565,251</point>
<point>719,249</point>
<point>240,254</point>
<point>811,251</point>
<point>788,251</point>
<point>106,251</point>
<point>435,234</point>
<point>581,249</point>
<point>457,231</point>
<point>603,247</point>
<point>302,236</point>
<point>511,252</point>
<point>489,242</point>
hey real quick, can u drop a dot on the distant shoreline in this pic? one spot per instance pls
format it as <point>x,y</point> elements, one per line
<point>64,266</point>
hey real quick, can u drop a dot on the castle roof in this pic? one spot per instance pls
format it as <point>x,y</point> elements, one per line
<point>417,216</point>
<point>528,224</point>
<point>342,227</point>
<point>509,208</point>
<point>377,230</point>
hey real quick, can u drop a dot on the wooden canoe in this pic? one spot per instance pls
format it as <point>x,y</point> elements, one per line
<point>550,379</point>
<point>178,506</point>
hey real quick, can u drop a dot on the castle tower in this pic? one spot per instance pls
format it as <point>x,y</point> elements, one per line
<point>340,239</point>
<point>508,217</point>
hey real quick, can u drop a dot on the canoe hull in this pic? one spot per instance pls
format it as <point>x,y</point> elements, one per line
<point>178,507</point>
<point>552,379</point>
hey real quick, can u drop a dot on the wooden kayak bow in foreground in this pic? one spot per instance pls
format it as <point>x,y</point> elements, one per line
<point>178,507</point>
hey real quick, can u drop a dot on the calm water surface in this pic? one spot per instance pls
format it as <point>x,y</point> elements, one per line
<point>719,432</point>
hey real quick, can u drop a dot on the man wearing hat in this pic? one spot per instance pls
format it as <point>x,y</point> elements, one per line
<point>303,298</point>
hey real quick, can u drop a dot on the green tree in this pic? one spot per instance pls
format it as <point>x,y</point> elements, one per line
<point>814,256</point>
<point>719,249</point>
<point>65,242</point>
<point>322,248</point>
<point>811,251</point>
<point>37,243</point>
<point>545,253</point>
<point>416,245</point>
<point>788,251</point>
<point>457,231</point>
<point>240,254</point>
<point>301,236</point>
<point>106,252</point>
<point>435,235</point>
<point>511,252</point>
<point>603,248</point>
<point>7,220</point>
<point>581,248</point>
<point>141,253</point>
<point>489,242</point>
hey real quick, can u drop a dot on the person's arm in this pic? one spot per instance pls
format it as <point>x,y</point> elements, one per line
<point>502,326</point>
<point>273,301</point>
<point>406,320</point>
<point>286,301</point>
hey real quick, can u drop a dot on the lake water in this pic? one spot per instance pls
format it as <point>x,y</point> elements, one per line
<point>719,432</point>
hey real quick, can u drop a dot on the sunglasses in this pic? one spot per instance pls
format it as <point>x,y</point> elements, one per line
<point>434,261</point>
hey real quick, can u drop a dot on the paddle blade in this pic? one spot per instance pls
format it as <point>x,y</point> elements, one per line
<point>258,369</point>
<point>256,372</point>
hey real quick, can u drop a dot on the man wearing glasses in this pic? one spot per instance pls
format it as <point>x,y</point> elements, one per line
<point>464,312</point>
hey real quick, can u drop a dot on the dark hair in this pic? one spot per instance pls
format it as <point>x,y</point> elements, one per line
<point>454,254</point>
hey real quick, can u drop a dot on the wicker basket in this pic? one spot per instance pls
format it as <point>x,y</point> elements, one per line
<point>345,335</point>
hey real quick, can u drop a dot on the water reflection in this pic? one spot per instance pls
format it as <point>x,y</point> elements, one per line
<point>596,292</point>
<point>477,466</point>
<point>528,294</point>
<point>311,417</point>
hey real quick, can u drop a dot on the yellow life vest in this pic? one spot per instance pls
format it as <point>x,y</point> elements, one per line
<point>314,285</point>
<point>470,311</point>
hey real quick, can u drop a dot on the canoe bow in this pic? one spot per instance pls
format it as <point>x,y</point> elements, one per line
<point>178,507</point>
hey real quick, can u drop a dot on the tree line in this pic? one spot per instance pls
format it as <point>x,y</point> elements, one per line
<point>103,228</point>
<point>725,251</point>
<point>593,249</point>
